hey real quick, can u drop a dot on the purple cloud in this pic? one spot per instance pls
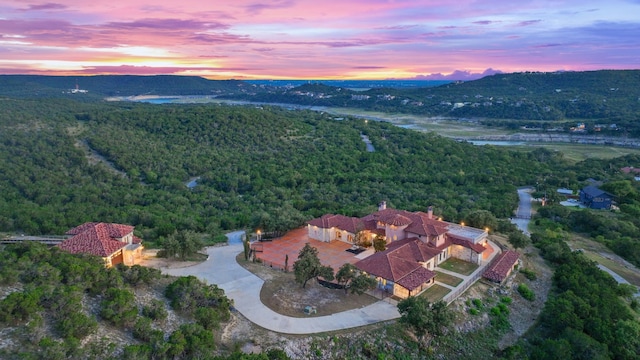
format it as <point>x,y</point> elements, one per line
<point>458,75</point>
<point>528,22</point>
<point>150,70</point>
<point>364,67</point>
<point>166,24</point>
<point>46,6</point>
<point>257,8</point>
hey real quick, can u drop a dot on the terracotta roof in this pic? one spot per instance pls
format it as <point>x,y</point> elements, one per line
<point>500,267</point>
<point>418,222</point>
<point>466,243</point>
<point>416,278</point>
<point>396,219</point>
<point>114,230</point>
<point>629,169</point>
<point>350,224</point>
<point>400,263</point>
<point>97,239</point>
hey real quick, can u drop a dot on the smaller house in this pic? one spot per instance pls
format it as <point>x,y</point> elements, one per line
<point>114,243</point>
<point>501,267</point>
<point>594,198</point>
<point>630,170</point>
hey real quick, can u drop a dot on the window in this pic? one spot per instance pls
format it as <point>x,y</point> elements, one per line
<point>339,234</point>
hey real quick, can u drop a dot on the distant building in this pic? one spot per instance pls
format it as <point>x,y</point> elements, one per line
<point>594,198</point>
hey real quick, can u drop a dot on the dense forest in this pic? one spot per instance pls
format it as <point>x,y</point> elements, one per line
<point>63,305</point>
<point>257,167</point>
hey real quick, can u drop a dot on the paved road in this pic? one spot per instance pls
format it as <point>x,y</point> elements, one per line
<point>523,214</point>
<point>243,287</point>
<point>617,277</point>
<point>235,237</point>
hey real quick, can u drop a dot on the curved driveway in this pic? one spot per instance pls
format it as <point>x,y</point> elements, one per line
<point>243,287</point>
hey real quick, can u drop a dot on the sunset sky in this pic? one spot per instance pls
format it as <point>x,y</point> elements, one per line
<point>313,39</point>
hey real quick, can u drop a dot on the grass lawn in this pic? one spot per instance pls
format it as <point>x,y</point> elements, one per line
<point>435,293</point>
<point>448,279</point>
<point>459,266</point>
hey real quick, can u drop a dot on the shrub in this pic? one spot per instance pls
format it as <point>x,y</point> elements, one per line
<point>529,274</point>
<point>473,311</point>
<point>155,310</point>
<point>526,293</point>
<point>119,307</point>
<point>506,300</point>
<point>477,303</point>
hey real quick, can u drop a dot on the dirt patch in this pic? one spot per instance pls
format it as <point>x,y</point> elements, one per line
<point>150,259</point>
<point>282,294</point>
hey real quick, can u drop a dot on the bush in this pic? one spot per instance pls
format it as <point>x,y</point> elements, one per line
<point>155,310</point>
<point>119,307</point>
<point>477,303</point>
<point>526,292</point>
<point>506,300</point>
<point>473,311</point>
<point>529,274</point>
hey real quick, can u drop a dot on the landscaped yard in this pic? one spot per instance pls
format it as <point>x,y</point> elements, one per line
<point>448,279</point>
<point>283,295</point>
<point>435,293</point>
<point>459,266</point>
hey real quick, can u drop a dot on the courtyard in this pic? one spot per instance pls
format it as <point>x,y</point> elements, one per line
<point>274,253</point>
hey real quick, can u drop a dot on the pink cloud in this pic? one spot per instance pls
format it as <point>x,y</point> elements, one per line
<point>308,38</point>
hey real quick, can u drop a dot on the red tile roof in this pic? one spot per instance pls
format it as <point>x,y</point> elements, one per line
<point>466,243</point>
<point>629,169</point>
<point>500,267</point>
<point>418,222</point>
<point>98,239</point>
<point>350,224</point>
<point>400,263</point>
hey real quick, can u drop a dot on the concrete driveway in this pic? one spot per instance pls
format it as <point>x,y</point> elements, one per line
<point>243,287</point>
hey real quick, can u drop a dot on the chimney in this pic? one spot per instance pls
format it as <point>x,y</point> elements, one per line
<point>430,212</point>
<point>382,206</point>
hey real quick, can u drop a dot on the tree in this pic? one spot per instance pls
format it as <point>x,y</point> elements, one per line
<point>362,283</point>
<point>346,274</point>
<point>362,239</point>
<point>379,243</point>
<point>518,240</point>
<point>246,247</point>
<point>350,278</point>
<point>184,243</point>
<point>425,318</point>
<point>482,219</point>
<point>308,266</point>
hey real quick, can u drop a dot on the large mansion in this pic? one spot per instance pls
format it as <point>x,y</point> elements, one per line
<point>416,243</point>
